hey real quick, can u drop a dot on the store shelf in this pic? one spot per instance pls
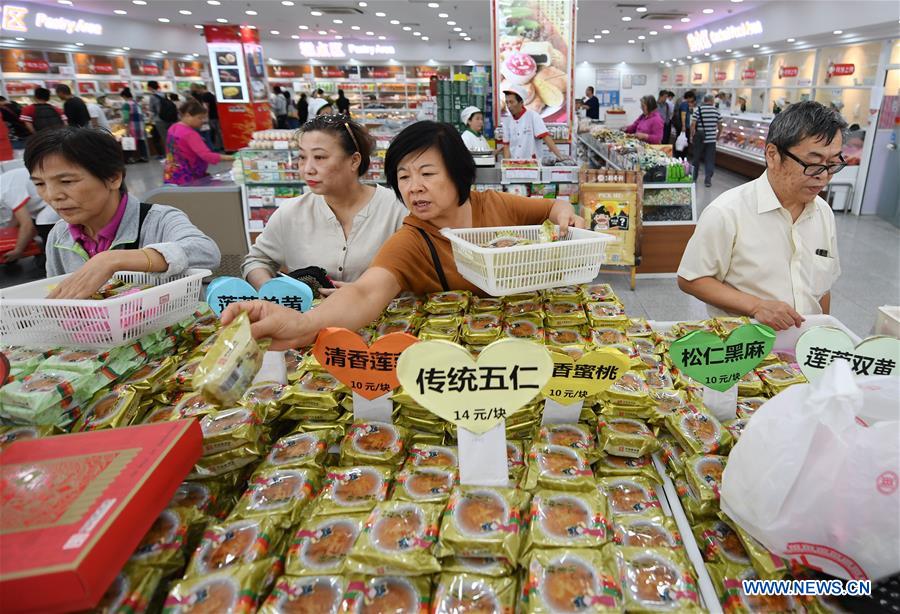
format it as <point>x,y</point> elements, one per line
<point>662,186</point>
<point>740,153</point>
<point>591,143</point>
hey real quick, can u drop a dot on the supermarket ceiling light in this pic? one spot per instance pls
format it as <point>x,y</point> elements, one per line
<point>185,12</point>
<point>213,2</point>
<point>630,41</point>
<point>303,27</point>
<point>791,40</point>
<point>667,27</point>
<point>395,22</point>
<point>685,20</point>
<point>198,26</point>
<point>370,33</point>
<point>700,40</point>
<point>287,2</point>
<point>316,13</point>
<point>363,4</point>
<point>653,32</point>
<point>451,23</point>
<point>443,15</point>
<point>641,9</point>
<point>425,38</point>
<point>457,29</point>
<point>604,31</point>
<point>120,12</point>
<point>433,5</point>
<point>836,32</point>
<point>250,12</point>
<point>163,20</point>
<point>380,14</point>
<point>129,49</point>
<point>222,20</point>
<point>337,21</point>
<point>417,34</point>
<point>274,32</point>
<point>354,27</point>
<point>407,29</point>
<point>642,37</point>
<point>708,11</point>
<point>323,32</point>
<point>295,36</point>
<point>139,2</point>
<point>66,2</point>
<point>626,18</point>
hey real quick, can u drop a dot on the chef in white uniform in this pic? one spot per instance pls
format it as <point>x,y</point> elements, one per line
<point>473,136</point>
<point>523,128</point>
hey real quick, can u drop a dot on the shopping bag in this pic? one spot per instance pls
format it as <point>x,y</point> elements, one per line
<point>129,143</point>
<point>814,475</point>
<point>681,142</point>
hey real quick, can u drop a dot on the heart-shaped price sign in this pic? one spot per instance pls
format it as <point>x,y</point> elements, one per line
<point>475,395</point>
<point>4,369</point>
<point>286,291</point>
<point>719,364</point>
<point>368,370</point>
<point>820,346</point>
<point>575,380</point>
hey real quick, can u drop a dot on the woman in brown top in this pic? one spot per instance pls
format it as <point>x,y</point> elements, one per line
<point>430,169</point>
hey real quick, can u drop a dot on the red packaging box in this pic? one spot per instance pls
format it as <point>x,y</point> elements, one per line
<point>73,508</point>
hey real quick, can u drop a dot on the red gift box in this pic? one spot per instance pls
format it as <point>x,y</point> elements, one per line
<point>8,238</point>
<point>73,508</point>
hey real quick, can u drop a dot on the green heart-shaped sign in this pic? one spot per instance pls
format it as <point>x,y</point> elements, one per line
<point>820,346</point>
<point>721,364</point>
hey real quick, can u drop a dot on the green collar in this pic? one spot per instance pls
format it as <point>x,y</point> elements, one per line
<point>478,134</point>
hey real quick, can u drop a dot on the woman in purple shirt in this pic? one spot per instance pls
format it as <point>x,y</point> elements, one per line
<point>187,155</point>
<point>649,126</point>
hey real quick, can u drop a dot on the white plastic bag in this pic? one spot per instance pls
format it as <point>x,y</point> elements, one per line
<point>814,477</point>
<point>681,142</point>
<point>129,143</point>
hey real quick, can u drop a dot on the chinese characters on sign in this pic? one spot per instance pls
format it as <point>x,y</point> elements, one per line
<point>717,356</point>
<point>291,302</point>
<point>721,364</point>
<point>363,360</point>
<point>701,40</point>
<point>469,379</point>
<point>820,357</point>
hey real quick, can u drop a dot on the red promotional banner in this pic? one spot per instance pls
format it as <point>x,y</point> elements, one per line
<point>426,72</point>
<point>116,86</point>
<point>721,75</point>
<point>87,64</point>
<point>22,88</point>
<point>841,70</point>
<point>88,88</point>
<point>788,71</point>
<point>748,74</point>
<point>335,72</point>
<point>380,72</point>
<point>665,77</point>
<point>698,76</point>
<point>188,69</point>
<point>288,71</point>
<point>679,79</point>
<point>20,60</point>
<point>148,68</point>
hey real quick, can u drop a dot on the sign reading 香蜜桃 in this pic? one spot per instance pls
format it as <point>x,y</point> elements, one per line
<point>703,39</point>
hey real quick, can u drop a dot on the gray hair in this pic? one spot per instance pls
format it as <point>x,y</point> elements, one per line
<point>709,98</point>
<point>805,120</point>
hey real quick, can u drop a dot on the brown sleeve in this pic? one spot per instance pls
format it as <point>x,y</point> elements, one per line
<point>526,211</point>
<point>402,256</point>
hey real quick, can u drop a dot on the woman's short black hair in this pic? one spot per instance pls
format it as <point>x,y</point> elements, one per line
<point>423,135</point>
<point>352,136</point>
<point>93,149</point>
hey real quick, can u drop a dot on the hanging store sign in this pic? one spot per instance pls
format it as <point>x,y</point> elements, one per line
<point>23,61</point>
<point>840,70</point>
<point>701,40</point>
<point>334,49</point>
<point>288,71</point>
<point>748,74</point>
<point>721,75</point>
<point>679,79</point>
<point>17,19</point>
<point>788,71</point>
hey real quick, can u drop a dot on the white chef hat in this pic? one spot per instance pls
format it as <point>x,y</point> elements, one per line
<point>467,114</point>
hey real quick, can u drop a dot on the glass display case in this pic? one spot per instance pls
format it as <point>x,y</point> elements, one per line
<point>669,203</point>
<point>270,178</point>
<point>744,136</point>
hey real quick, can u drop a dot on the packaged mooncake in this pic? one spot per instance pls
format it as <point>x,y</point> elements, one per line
<point>403,305</point>
<point>163,546</point>
<point>280,494</point>
<point>208,497</point>
<point>226,372</point>
<point>747,406</point>
<point>459,593</point>
<point>599,292</point>
<point>609,465</point>
<point>301,450</point>
<point>387,595</point>
<point>235,590</point>
<point>570,580</point>
<point>695,509</point>
<point>779,377</point>
<point>736,427</point>
<point>425,484</point>
<point>630,495</point>
<point>576,436</point>
<point>310,594</point>
<point>750,385</point>
<point>629,391</point>
<point>654,579</point>
<point>228,429</point>
<point>267,399</point>
<point>607,335</point>
<point>131,592</point>
<point>349,490</point>
<point>398,538</point>
<point>566,335</point>
<point>626,437</point>
<point>564,313</point>
<point>558,467</point>
<point>422,455</point>
<point>445,328</point>
<point>321,545</point>
<point>703,473</point>
<point>233,543</point>
<point>607,314</point>
<point>485,304</point>
<point>560,519</point>
<point>116,408</point>
<point>489,566</point>
<point>373,443</point>
<point>672,454</point>
<point>441,303</point>
<point>10,434</point>
<point>524,326</point>
<point>646,532</point>
<point>766,564</point>
<point>698,432</point>
<point>728,581</point>
<point>481,328</point>
<point>719,543</point>
<point>483,522</point>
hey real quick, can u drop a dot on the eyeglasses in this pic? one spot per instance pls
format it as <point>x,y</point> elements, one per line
<point>813,170</point>
<point>330,121</point>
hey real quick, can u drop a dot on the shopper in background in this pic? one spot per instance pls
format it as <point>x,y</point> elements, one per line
<point>429,167</point>
<point>742,104</point>
<point>317,101</point>
<point>197,90</point>
<point>6,146</point>
<point>293,118</point>
<point>212,112</point>
<point>20,198</point>
<point>188,157</point>
<point>10,112</point>
<point>98,115</point>
<point>649,126</point>
<point>591,103</point>
<point>681,121</point>
<point>768,249</point>
<point>41,115</point>
<point>704,132</point>
<point>279,108</point>
<point>80,173</point>
<point>472,136</point>
<point>172,96</point>
<point>73,107</point>
<point>344,222</point>
<point>523,128</point>
<point>164,113</point>
<point>133,119</point>
<point>302,109</point>
<point>665,112</point>
<point>325,109</point>
<point>343,103</point>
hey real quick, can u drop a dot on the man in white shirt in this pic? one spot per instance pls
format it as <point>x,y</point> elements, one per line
<point>317,101</point>
<point>20,202</point>
<point>768,249</point>
<point>98,116</point>
<point>523,128</point>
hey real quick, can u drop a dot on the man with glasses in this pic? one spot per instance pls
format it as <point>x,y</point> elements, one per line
<point>768,249</point>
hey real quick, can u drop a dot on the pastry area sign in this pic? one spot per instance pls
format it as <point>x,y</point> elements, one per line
<point>533,48</point>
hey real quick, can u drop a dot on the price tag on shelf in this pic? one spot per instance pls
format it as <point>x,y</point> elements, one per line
<point>369,371</point>
<point>286,291</point>
<point>719,365</point>
<point>573,381</point>
<point>820,346</point>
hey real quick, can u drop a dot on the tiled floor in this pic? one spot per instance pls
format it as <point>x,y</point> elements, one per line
<point>870,262</point>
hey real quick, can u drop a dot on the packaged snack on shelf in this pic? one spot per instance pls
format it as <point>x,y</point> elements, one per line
<point>570,580</point>
<point>568,335</point>
<point>610,465</point>
<point>410,595</point>
<point>300,450</point>
<point>646,532</point>
<point>558,467</point>
<point>672,454</point>
<point>564,314</point>
<point>132,590</point>
<point>736,427</point>
<point>719,543</point>
<point>607,314</point>
<point>445,327</point>
<point>321,545</point>
<point>654,579</point>
<point>223,463</point>
<point>456,593</point>
<point>267,399</point>
<point>630,495</point>
<point>599,293</point>
<point>226,372</point>
<point>698,432</point>
<point>376,443</point>
<point>423,455</point>
<point>780,376</point>
<point>728,581</point>
<point>118,407</point>
<point>607,335</point>
<point>439,303</point>
<point>493,567</point>
<point>228,429</point>
<point>696,509</point>
<point>9,434</point>
<point>425,484</point>
<point>235,590</point>
<point>165,543</point>
<point>576,436</point>
<point>666,401</point>
<point>626,437</point>
<point>766,564</point>
<point>747,406</point>
<point>481,328</point>
<point>349,490</point>
<point>750,385</point>
<point>483,522</point>
<point>560,519</point>
<point>524,326</point>
<point>398,538</point>
<point>307,594</point>
<point>279,494</point>
<point>397,324</point>
<point>208,497</point>
<point>565,293</point>
<point>234,543</point>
